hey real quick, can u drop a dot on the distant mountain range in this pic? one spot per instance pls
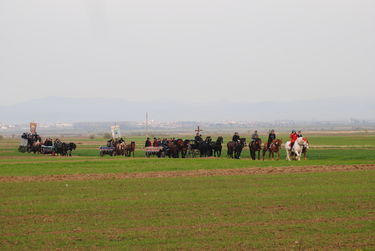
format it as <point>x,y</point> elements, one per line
<point>58,109</point>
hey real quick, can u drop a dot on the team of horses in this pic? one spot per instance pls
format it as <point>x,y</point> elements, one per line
<point>175,148</point>
<point>209,148</point>
<point>120,148</point>
<point>35,144</point>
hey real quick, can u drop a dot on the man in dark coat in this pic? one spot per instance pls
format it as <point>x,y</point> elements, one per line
<point>236,137</point>
<point>148,142</point>
<point>271,137</point>
<point>198,138</point>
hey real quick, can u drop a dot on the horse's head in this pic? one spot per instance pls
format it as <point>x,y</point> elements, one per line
<point>179,142</point>
<point>243,141</point>
<point>220,140</point>
<point>277,142</point>
<point>305,143</point>
<point>302,142</point>
<point>72,145</point>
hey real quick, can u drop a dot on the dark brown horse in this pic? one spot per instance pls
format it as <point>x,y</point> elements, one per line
<point>130,149</point>
<point>172,149</point>
<point>255,146</point>
<point>272,149</point>
<point>304,149</point>
<point>185,147</point>
<point>234,149</point>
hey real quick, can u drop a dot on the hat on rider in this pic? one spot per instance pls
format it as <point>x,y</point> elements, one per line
<point>293,131</point>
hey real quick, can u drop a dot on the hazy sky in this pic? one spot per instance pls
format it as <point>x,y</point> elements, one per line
<point>193,50</point>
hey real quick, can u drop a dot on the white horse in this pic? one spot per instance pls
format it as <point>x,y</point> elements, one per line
<point>296,149</point>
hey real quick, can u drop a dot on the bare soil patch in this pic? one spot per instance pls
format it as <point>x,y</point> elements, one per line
<point>190,173</point>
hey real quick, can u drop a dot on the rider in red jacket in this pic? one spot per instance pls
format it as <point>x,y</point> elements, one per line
<point>293,137</point>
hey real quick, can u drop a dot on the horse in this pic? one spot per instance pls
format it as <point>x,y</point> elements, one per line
<point>129,149</point>
<point>255,146</point>
<point>205,147</point>
<point>185,147</point>
<point>120,148</point>
<point>234,149</point>
<point>70,147</point>
<point>296,151</point>
<point>217,147</point>
<point>304,149</point>
<point>193,149</point>
<point>179,146</point>
<point>60,147</point>
<point>36,147</point>
<point>273,148</point>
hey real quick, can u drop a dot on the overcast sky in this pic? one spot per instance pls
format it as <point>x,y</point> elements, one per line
<point>191,50</point>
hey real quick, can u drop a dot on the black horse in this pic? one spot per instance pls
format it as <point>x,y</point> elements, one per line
<point>205,147</point>
<point>64,149</point>
<point>70,147</point>
<point>217,147</point>
<point>255,146</point>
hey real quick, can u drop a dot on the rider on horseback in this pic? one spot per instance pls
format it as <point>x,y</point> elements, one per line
<point>293,137</point>
<point>299,134</point>
<point>255,136</point>
<point>236,137</point>
<point>271,137</point>
<point>198,138</point>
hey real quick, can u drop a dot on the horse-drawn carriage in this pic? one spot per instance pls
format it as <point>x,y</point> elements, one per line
<point>23,147</point>
<point>109,150</point>
<point>153,151</point>
<point>117,147</point>
<point>48,149</point>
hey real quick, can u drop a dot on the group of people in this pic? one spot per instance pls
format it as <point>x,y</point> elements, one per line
<point>271,137</point>
<point>156,142</point>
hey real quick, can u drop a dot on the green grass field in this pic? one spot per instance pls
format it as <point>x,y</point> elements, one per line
<point>283,211</point>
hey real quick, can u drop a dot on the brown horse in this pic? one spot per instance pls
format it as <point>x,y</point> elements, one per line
<point>255,146</point>
<point>173,149</point>
<point>274,148</point>
<point>304,149</point>
<point>129,149</point>
<point>234,149</point>
<point>184,148</point>
<point>120,148</point>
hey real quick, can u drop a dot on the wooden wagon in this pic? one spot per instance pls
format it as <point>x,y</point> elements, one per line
<point>153,151</point>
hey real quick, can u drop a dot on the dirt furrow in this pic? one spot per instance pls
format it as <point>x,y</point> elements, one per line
<point>190,173</point>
